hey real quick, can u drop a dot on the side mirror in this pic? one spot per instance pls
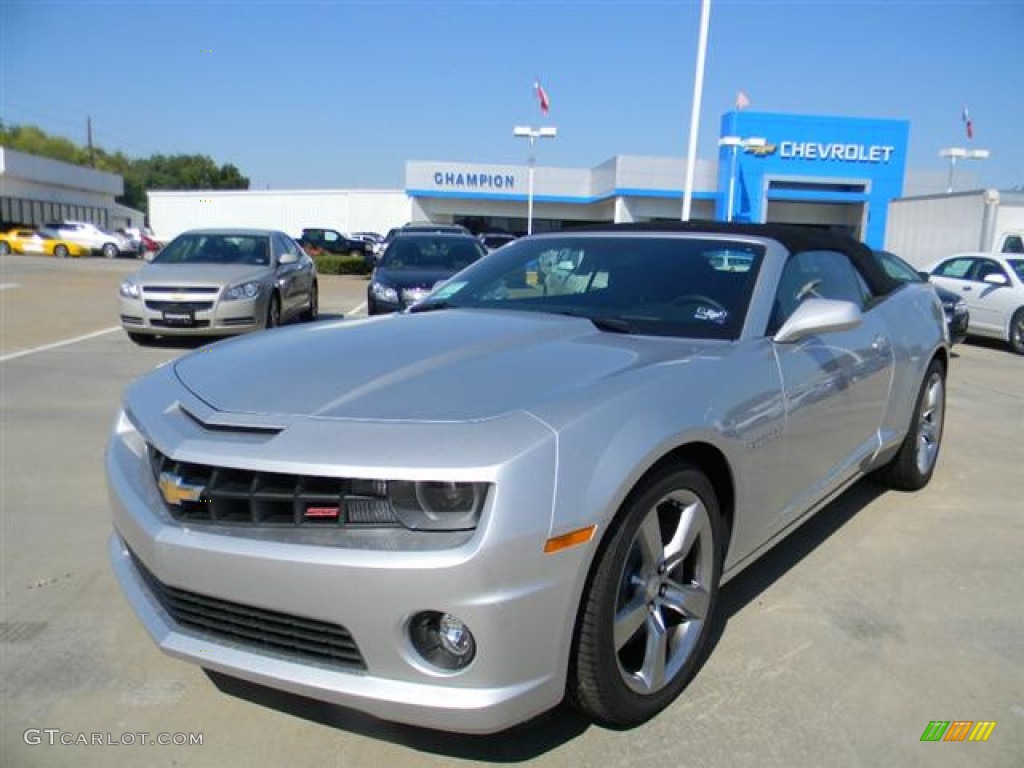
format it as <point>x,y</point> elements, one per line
<point>287,258</point>
<point>996,278</point>
<point>815,316</point>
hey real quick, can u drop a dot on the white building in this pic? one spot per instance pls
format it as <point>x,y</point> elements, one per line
<point>35,190</point>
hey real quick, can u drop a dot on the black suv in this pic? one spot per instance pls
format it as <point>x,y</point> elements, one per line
<point>333,241</point>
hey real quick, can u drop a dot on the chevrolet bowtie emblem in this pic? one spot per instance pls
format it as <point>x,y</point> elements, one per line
<point>175,490</point>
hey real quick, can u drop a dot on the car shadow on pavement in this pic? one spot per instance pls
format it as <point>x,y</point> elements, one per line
<point>552,729</point>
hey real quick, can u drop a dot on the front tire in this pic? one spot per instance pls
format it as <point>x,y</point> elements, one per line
<point>60,251</point>
<point>646,616</point>
<point>1017,331</point>
<point>142,339</point>
<point>313,312</point>
<point>912,467</point>
<point>273,312</point>
<point>109,250</point>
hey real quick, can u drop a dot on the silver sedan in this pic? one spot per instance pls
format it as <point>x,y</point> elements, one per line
<point>520,490</point>
<point>219,282</point>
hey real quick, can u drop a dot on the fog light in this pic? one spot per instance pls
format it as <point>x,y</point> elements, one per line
<point>443,640</point>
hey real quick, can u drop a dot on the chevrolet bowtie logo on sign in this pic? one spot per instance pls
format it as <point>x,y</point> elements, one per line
<point>958,730</point>
<point>175,490</point>
<point>760,150</point>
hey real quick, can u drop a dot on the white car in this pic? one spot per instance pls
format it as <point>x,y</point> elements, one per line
<point>992,284</point>
<point>109,244</point>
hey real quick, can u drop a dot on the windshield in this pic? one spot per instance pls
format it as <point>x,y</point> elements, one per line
<point>425,252</point>
<point>216,249</point>
<point>663,285</point>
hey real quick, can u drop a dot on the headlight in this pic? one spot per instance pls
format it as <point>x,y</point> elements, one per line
<point>129,290</point>
<point>383,292</point>
<point>437,506</point>
<point>248,290</point>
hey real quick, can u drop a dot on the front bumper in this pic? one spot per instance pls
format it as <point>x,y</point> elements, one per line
<point>957,322</point>
<point>210,316</point>
<point>519,603</point>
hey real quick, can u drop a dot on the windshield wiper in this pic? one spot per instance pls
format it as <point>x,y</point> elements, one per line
<point>610,324</point>
<point>429,306</point>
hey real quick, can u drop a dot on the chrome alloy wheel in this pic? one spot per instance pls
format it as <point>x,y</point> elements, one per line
<point>664,592</point>
<point>929,425</point>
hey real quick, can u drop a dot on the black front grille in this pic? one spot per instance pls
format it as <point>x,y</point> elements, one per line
<point>179,306</point>
<point>291,636</point>
<point>198,493</point>
<point>158,323</point>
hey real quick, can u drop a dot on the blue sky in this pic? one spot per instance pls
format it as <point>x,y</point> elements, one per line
<point>340,93</point>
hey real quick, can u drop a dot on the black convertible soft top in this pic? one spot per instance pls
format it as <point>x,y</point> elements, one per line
<point>794,239</point>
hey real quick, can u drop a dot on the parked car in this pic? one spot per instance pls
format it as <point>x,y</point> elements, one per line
<point>494,240</point>
<point>217,282</point>
<point>460,515</point>
<point>954,306</point>
<point>29,241</point>
<point>99,241</point>
<point>413,264</point>
<point>993,286</point>
<point>332,241</point>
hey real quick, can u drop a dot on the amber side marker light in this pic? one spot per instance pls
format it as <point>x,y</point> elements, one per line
<point>567,540</point>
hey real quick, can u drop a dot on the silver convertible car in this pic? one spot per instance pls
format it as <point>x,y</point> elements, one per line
<point>522,489</point>
<point>219,282</point>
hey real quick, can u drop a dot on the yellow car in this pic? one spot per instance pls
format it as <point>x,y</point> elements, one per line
<point>32,242</point>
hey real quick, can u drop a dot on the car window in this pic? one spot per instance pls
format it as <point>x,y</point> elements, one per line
<point>985,267</point>
<point>820,275</point>
<point>425,252</point>
<point>1017,265</point>
<point>957,268</point>
<point>1013,244</point>
<point>896,268</point>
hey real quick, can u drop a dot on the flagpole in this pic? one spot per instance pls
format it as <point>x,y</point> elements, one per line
<point>698,93</point>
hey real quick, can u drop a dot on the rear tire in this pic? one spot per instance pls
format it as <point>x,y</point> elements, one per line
<point>912,467</point>
<point>645,620</point>
<point>1017,332</point>
<point>109,250</point>
<point>5,248</point>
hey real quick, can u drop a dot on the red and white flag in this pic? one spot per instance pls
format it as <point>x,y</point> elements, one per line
<point>742,100</point>
<point>542,96</point>
<point>968,124</point>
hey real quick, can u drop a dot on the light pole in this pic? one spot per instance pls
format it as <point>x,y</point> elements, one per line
<point>698,92</point>
<point>531,133</point>
<point>735,142</point>
<point>960,153</point>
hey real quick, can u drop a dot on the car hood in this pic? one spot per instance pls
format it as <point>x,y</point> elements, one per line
<point>199,274</point>
<point>453,365</point>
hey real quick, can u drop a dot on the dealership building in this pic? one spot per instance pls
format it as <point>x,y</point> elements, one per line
<point>831,172</point>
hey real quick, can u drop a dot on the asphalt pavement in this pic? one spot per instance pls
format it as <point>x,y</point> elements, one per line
<point>883,613</point>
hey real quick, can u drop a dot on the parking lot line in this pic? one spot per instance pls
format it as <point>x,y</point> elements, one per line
<point>56,344</point>
<point>5,286</point>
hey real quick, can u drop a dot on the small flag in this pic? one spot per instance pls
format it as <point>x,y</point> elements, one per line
<point>742,101</point>
<point>542,97</point>
<point>968,124</point>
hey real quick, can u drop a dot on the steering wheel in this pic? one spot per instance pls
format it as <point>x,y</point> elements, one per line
<point>698,298</point>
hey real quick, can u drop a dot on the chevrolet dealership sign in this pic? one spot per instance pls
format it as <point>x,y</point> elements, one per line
<point>474,180</point>
<point>848,153</point>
